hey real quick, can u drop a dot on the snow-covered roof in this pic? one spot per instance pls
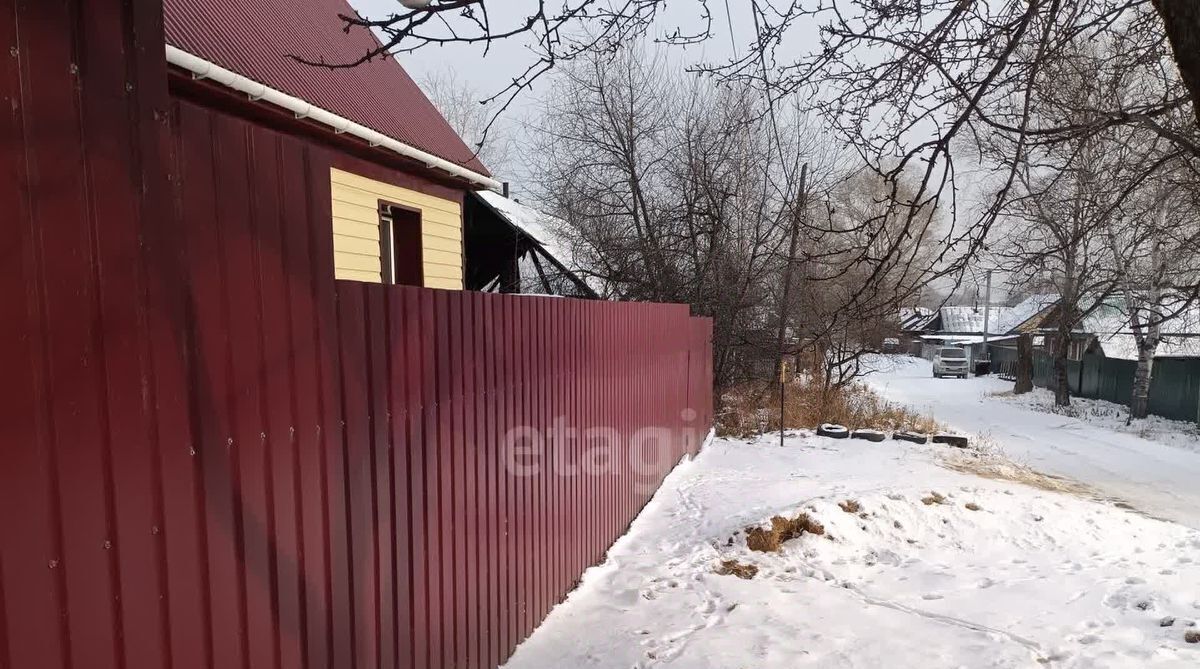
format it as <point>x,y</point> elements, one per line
<point>1110,323</point>
<point>534,223</point>
<point>1124,347</point>
<point>1031,306</point>
<point>915,318</point>
<point>1001,319</point>
<point>964,339</point>
<point>969,320</point>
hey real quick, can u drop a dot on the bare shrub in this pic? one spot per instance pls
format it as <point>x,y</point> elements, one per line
<point>807,405</point>
<point>850,506</point>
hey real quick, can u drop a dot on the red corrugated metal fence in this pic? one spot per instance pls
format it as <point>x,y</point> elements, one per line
<point>214,455</point>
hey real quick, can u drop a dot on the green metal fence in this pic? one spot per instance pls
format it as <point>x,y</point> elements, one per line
<point>1174,387</point>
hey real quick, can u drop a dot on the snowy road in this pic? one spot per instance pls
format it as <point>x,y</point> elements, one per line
<point>1160,479</point>
<point>990,574</point>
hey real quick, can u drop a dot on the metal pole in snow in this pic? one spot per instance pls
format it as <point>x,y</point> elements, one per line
<point>782,386</point>
<point>987,310</point>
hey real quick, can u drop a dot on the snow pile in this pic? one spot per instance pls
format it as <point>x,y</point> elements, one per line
<point>1042,576</point>
<point>915,566</point>
<point>1110,416</point>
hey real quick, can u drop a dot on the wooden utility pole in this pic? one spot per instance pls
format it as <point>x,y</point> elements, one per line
<point>785,301</point>
<point>987,310</point>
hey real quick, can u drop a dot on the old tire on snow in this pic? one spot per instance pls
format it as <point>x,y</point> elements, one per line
<point>958,441</point>
<point>869,435</point>
<point>914,437</point>
<point>833,431</point>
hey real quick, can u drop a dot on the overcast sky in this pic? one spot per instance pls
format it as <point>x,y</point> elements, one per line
<point>513,56</point>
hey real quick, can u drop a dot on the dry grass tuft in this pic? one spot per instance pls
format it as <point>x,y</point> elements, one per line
<point>761,540</point>
<point>850,506</point>
<point>752,407</point>
<point>769,540</point>
<point>1191,636</point>
<point>933,498</point>
<point>996,467</point>
<point>972,506</point>
<point>735,568</point>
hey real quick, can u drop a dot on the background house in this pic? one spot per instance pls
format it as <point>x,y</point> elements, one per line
<point>963,326</point>
<point>1107,332</point>
<point>513,248</point>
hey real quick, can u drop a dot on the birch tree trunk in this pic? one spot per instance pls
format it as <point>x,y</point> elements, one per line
<point>1139,407</point>
<point>1147,336</point>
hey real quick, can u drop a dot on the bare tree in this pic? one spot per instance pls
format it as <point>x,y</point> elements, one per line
<point>460,103</point>
<point>681,189</point>
<point>846,241</point>
<point>672,191</point>
<point>1056,237</point>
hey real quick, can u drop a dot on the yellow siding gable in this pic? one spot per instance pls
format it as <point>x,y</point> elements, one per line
<point>356,230</point>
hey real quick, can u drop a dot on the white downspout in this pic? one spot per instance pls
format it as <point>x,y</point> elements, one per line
<point>203,69</point>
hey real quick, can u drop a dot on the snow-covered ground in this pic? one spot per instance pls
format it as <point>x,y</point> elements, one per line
<point>1024,578</point>
<point>1110,416</point>
<point>1157,471</point>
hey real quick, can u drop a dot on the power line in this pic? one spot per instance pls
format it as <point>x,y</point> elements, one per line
<point>729,22</point>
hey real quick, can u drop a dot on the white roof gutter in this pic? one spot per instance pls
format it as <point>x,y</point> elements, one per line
<point>203,69</point>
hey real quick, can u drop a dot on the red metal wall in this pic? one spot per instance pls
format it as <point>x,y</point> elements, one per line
<point>213,455</point>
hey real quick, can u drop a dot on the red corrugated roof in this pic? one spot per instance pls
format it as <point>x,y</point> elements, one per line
<point>255,37</point>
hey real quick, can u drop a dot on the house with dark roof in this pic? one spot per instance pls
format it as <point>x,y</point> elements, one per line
<point>228,441</point>
<point>380,160</point>
<point>1106,331</point>
<point>965,326</point>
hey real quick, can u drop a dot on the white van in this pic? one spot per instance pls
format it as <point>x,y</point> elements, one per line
<point>950,361</point>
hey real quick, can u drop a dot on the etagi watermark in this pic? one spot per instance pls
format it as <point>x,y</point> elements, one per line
<point>564,450</point>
